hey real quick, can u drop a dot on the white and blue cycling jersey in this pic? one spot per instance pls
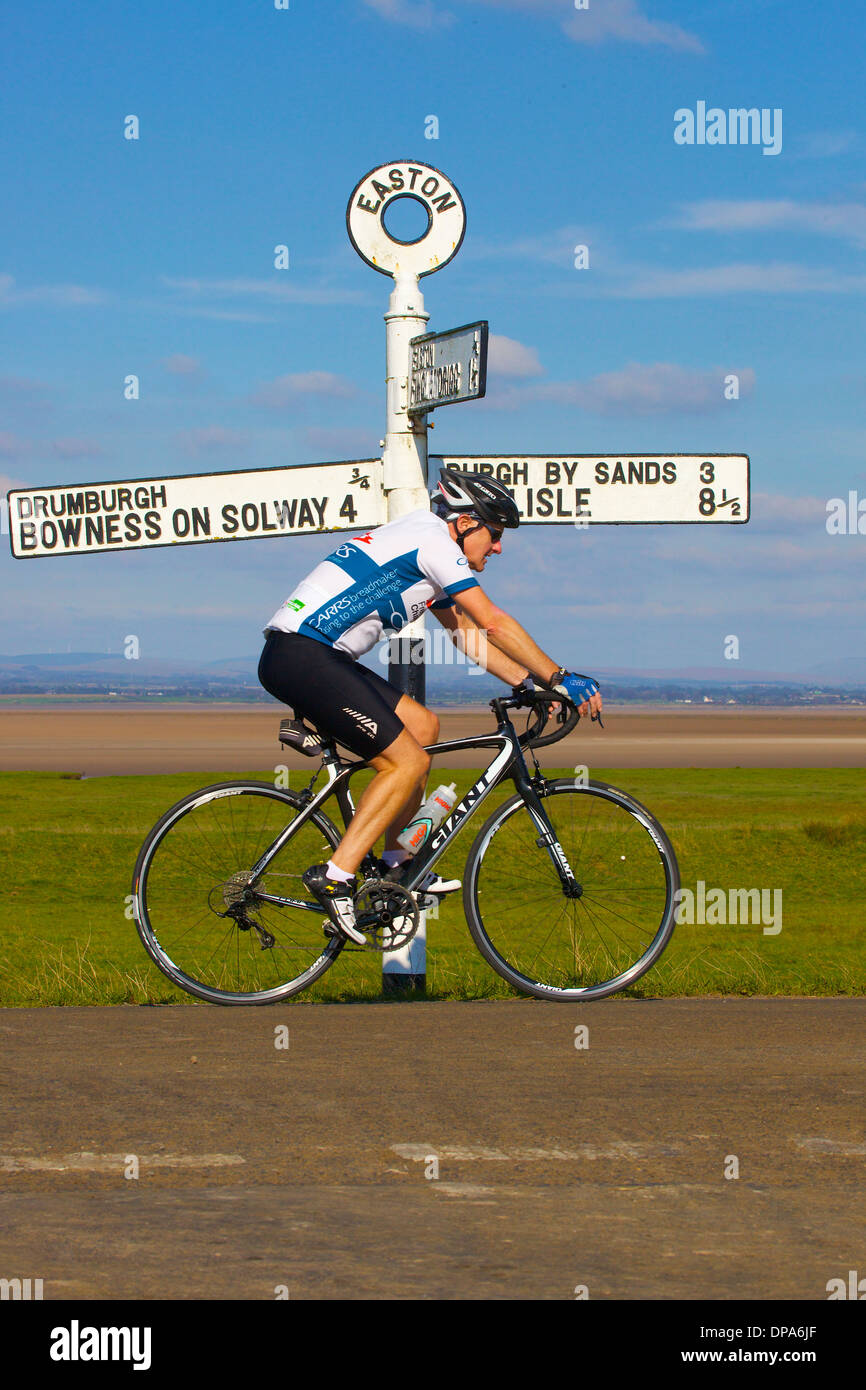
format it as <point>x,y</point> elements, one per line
<point>376,583</point>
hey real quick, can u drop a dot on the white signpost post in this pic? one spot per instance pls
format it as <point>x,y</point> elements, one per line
<point>424,371</point>
<point>404,459</point>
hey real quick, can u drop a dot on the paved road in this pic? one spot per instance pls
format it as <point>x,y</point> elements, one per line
<point>307,1166</point>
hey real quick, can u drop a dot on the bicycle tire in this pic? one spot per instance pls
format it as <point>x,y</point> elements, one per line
<point>589,924</point>
<point>162,939</point>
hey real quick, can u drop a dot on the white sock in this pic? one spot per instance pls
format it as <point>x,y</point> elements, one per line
<point>393,857</point>
<point>336,873</point>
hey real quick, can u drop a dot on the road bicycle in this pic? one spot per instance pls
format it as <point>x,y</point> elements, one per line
<point>569,888</point>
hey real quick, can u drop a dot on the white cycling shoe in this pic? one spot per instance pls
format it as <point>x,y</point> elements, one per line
<point>432,883</point>
<point>431,888</point>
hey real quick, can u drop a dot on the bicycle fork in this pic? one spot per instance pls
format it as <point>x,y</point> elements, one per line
<point>547,839</point>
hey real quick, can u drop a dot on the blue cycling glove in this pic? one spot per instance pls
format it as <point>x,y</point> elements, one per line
<point>575,687</point>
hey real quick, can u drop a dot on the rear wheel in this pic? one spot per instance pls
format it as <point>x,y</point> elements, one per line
<point>553,946</point>
<point>199,913</point>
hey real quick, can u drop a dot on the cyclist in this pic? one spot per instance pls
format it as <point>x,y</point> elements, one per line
<point>376,583</point>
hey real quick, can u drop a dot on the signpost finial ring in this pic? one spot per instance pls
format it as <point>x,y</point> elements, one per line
<point>424,184</point>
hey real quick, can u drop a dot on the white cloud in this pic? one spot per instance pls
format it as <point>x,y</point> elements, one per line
<point>287,390</point>
<point>275,291</point>
<point>17,390</point>
<point>654,388</point>
<point>220,315</point>
<point>555,247</point>
<point>813,564</point>
<point>77,448</point>
<point>61,296</point>
<point>824,144</point>
<point>211,439</point>
<point>508,357</point>
<point>625,21</point>
<point>603,20</point>
<point>349,441</point>
<point>845,220</point>
<point>13,447</point>
<point>774,512</point>
<point>776,277</point>
<point>614,277</point>
<point>693,573</point>
<point>181,365</point>
<point>417,14</point>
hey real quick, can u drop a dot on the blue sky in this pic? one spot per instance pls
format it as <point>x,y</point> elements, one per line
<point>155,257</point>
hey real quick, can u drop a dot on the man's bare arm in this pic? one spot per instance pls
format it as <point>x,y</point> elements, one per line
<point>506,633</point>
<point>468,637</point>
<point>514,641</point>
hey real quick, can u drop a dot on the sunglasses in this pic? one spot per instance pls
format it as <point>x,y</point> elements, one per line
<point>494,534</point>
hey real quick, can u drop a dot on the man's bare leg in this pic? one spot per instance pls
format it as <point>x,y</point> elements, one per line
<point>396,792</point>
<point>424,725</point>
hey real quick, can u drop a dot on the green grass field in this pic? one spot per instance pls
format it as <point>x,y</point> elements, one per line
<point>70,847</point>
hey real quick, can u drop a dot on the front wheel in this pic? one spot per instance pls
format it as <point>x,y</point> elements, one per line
<point>598,940</point>
<point>211,926</point>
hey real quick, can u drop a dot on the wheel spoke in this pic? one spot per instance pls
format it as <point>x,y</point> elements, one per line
<point>533,933</point>
<point>196,870</point>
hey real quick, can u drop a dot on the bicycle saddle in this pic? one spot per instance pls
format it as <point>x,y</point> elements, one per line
<point>294,733</point>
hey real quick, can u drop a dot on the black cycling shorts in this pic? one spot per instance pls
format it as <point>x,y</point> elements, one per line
<point>329,688</point>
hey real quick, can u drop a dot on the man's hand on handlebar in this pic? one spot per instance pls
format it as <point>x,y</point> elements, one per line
<point>570,685</point>
<point>527,689</point>
<point>582,691</point>
<point>591,707</point>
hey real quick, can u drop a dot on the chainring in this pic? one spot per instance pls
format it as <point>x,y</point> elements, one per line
<point>387,915</point>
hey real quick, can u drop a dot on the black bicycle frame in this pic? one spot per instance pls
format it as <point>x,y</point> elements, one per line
<point>508,759</point>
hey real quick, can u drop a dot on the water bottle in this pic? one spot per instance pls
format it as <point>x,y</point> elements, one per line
<point>428,817</point>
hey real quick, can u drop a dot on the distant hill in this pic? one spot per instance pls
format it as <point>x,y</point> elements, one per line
<point>102,673</point>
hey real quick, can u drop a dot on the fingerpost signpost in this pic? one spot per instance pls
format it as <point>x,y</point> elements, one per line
<point>424,371</point>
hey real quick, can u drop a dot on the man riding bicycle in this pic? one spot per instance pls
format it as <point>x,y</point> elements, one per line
<point>376,583</point>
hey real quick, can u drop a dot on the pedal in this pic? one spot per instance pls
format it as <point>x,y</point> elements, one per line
<point>330,930</point>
